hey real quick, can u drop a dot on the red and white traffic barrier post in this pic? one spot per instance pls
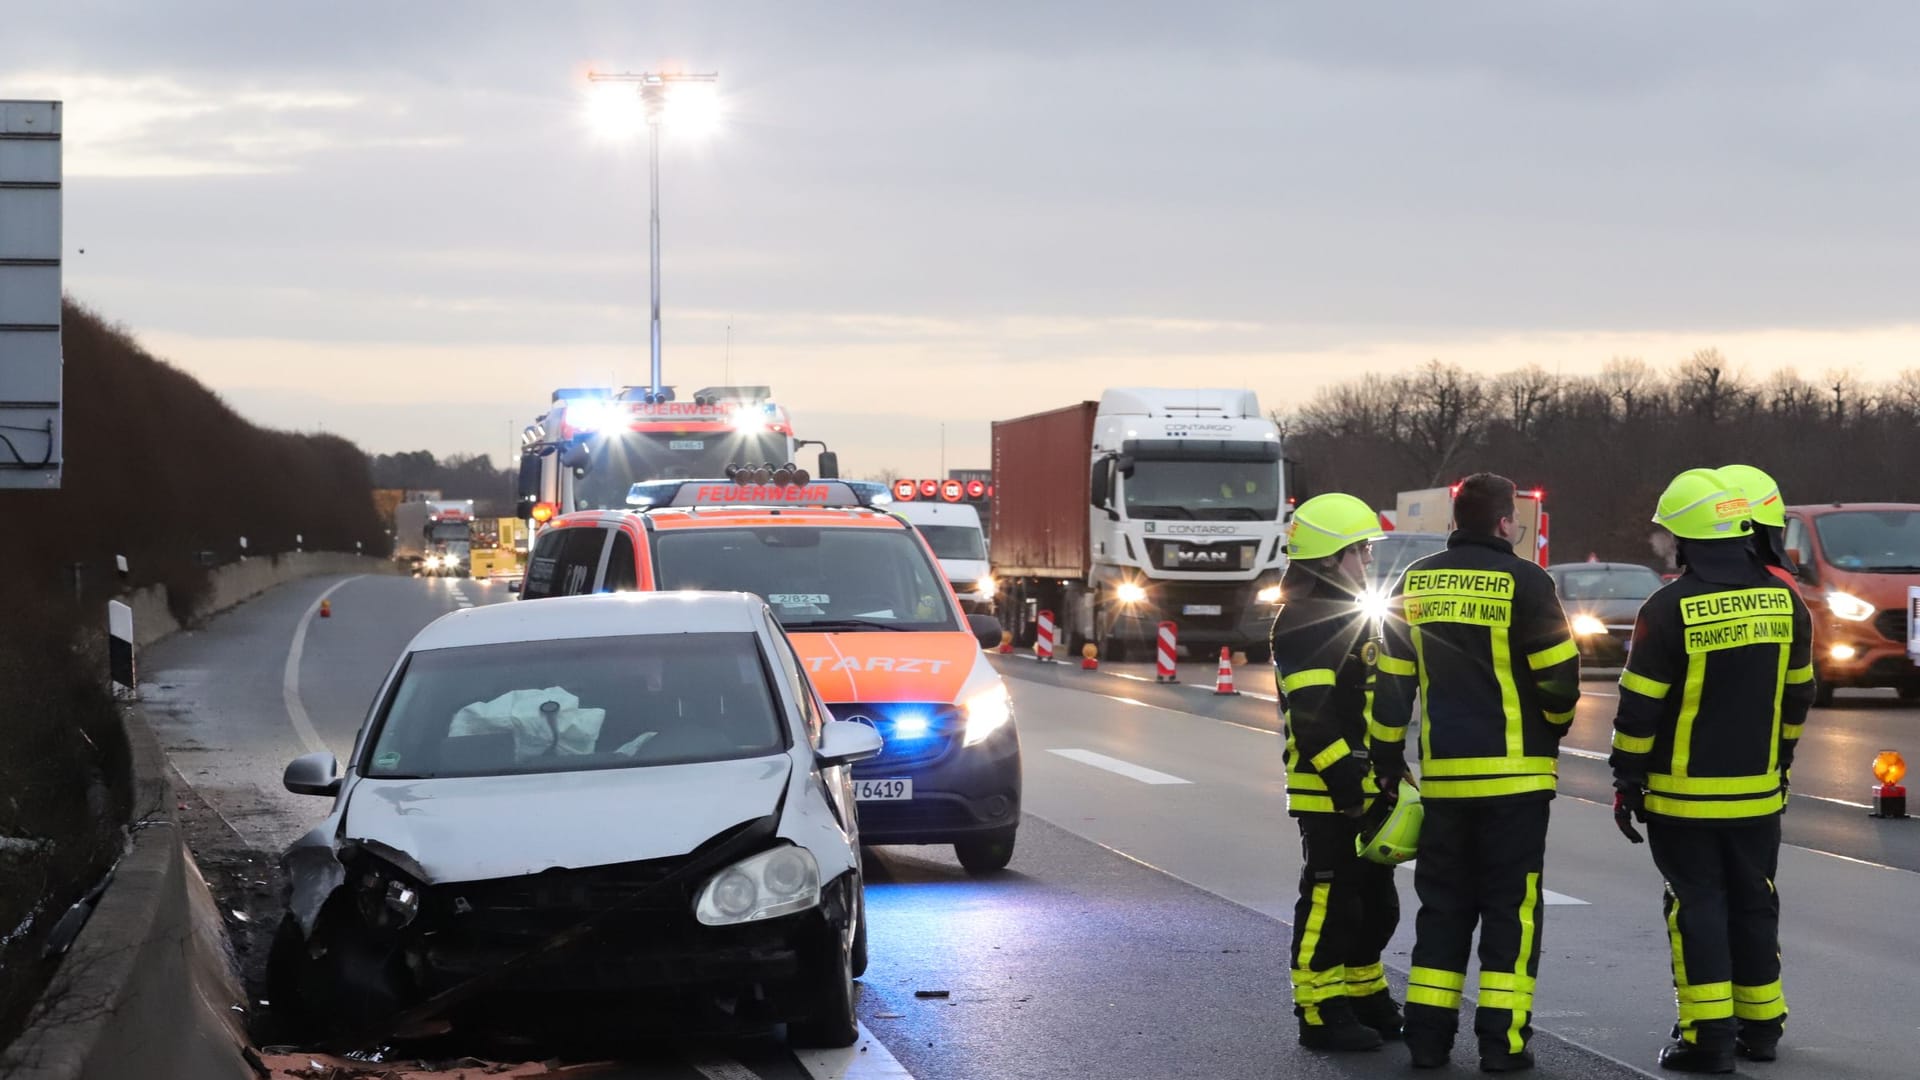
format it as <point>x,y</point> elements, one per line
<point>1043,638</point>
<point>1223,682</point>
<point>1166,653</point>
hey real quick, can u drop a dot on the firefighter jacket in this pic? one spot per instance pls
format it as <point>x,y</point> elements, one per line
<point>1476,636</point>
<point>1716,688</point>
<point>1323,656</point>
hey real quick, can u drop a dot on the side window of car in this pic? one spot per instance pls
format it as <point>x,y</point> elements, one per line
<point>1797,537</point>
<point>564,562</point>
<point>802,689</point>
<point>621,574</point>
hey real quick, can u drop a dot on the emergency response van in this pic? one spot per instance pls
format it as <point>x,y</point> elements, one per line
<point>878,627</point>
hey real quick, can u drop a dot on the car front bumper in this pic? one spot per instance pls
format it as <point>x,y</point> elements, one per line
<point>958,791</point>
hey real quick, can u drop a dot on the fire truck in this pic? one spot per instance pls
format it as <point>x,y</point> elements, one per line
<point>594,444</point>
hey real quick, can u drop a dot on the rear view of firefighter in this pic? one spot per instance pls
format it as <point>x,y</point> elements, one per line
<point>1323,653</point>
<point>1476,635</point>
<point>1769,517</point>
<point>1716,688</point>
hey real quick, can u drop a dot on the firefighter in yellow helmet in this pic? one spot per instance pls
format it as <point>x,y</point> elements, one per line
<point>1716,688</point>
<point>1323,654</point>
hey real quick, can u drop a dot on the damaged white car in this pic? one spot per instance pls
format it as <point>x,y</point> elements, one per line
<point>624,810</point>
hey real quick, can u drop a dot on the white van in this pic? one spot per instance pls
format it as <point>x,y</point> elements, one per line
<point>953,532</point>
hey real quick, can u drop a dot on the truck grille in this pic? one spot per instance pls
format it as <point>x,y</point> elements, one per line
<point>1179,555</point>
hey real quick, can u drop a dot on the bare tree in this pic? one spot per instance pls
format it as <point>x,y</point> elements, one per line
<point>1447,410</point>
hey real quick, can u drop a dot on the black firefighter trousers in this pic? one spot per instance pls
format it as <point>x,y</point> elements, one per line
<point>1480,863</point>
<point>1723,924</point>
<point>1345,916</point>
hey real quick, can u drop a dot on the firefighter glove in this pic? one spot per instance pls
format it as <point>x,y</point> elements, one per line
<point>1629,802</point>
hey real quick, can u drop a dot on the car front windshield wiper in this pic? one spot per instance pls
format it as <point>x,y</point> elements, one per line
<point>841,624</point>
<point>1157,510</point>
<point>1232,513</point>
<point>1891,569</point>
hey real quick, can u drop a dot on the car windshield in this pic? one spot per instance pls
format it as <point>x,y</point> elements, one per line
<point>617,462</point>
<point>576,704</point>
<point>1871,541</point>
<point>1393,554</point>
<point>821,578</point>
<point>1203,490</point>
<point>954,541</point>
<point>1608,583</point>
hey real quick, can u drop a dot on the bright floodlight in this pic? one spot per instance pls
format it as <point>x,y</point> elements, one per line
<point>692,109</point>
<point>614,111</point>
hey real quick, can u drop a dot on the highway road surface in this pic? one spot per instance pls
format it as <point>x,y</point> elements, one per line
<point>1141,931</point>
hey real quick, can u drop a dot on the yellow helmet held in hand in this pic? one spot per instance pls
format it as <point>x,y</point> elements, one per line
<point>1328,524</point>
<point>1700,504</point>
<point>1763,495</point>
<point>1398,837</point>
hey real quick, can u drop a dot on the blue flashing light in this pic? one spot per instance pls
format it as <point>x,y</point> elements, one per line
<point>911,726</point>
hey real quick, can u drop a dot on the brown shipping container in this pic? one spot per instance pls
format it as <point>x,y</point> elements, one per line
<point>1040,493</point>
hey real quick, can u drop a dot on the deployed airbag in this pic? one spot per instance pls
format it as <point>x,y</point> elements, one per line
<point>542,722</point>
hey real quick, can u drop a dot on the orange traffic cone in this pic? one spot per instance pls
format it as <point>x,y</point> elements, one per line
<point>326,609</point>
<point>1089,657</point>
<point>1223,682</point>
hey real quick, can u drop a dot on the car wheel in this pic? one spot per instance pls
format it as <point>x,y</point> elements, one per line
<point>860,941</point>
<point>1822,692</point>
<point>1909,691</point>
<point>986,854</point>
<point>833,1025</point>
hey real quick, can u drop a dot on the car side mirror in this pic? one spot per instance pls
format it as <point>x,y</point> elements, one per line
<point>843,742</point>
<point>576,455</point>
<point>513,586</point>
<point>313,774</point>
<point>986,630</point>
<point>828,467</point>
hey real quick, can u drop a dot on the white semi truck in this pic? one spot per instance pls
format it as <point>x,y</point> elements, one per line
<point>434,536</point>
<point>1150,505</point>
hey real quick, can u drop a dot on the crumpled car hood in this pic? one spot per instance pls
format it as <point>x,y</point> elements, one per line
<point>484,827</point>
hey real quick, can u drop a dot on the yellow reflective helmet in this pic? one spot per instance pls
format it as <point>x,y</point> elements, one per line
<point>1763,495</point>
<point>1398,837</point>
<point>1328,524</point>
<point>1701,504</point>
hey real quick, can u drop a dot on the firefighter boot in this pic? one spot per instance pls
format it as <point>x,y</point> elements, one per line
<point>1378,1012</point>
<point>1682,1056</point>
<point>1343,1034</point>
<point>1428,1052</point>
<point>1502,1060</point>
<point>1758,1042</point>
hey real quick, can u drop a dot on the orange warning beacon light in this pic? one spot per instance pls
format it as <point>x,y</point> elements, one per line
<point>1889,798</point>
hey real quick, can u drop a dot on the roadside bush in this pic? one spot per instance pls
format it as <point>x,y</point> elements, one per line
<point>158,469</point>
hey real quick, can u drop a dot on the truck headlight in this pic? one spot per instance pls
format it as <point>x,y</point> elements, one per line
<point>1268,595</point>
<point>986,588</point>
<point>987,712</point>
<point>772,883</point>
<point>1129,593</point>
<point>1849,607</point>
<point>1588,626</point>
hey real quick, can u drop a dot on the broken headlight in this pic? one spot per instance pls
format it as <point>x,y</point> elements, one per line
<point>777,882</point>
<point>387,899</point>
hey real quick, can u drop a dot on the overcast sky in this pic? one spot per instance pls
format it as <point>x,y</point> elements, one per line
<point>392,222</point>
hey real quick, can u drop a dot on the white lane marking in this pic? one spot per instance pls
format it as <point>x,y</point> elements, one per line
<point>1125,700</point>
<point>290,676</point>
<point>1591,755</point>
<point>864,1060</point>
<point>1547,896</point>
<point>1124,768</point>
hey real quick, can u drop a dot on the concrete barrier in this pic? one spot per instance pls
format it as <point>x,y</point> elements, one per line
<point>238,582</point>
<point>147,989</point>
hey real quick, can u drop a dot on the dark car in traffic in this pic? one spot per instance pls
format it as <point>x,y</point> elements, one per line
<point>1601,600</point>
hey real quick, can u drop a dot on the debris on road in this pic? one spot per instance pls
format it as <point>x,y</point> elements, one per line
<point>932,993</point>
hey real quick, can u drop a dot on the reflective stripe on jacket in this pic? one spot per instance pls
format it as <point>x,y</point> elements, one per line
<point>1716,688</point>
<point>1477,637</point>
